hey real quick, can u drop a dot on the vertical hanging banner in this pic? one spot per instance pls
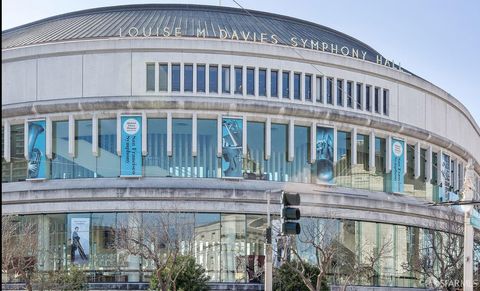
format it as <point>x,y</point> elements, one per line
<point>131,161</point>
<point>232,144</point>
<point>398,166</point>
<point>80,240</point>
<point>324,161</point>
<point>37,160</point>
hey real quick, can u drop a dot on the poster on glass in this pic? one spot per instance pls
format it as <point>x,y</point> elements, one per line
<point>324,161</point>
<point>232,145</point>
<point>80,238</point>
<point>37,160</point>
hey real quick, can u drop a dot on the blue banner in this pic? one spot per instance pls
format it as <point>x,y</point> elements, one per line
<point>232,145</point>
<point>398,165</point>
<point>131,161</point>
<point>324,160</point>
<point>37,160</point>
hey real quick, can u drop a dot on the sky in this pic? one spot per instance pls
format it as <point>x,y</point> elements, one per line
<point>438,40</point>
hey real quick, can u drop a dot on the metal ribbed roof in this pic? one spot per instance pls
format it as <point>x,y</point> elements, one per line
<point>106,22</point>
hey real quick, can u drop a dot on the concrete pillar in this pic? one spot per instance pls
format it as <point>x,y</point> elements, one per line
<point>169,134</point>
<point>324,89</point>
<point>194,135</point>
<point>7,141</point>
<point>354,146</point>
<point>169,78</point>
<point>144,134</point>
<point>302,87</point>
<point>256,82</point>
<point>268,138</point>
<point>134,223</point>
<point>291,87</point>
<point>182,77</point>
<point>313,142</point>
<point>291,140</point>
<point>371,152</point>
<point>232,80</point>
<point>388,155</point>
<point>219,136</point>
<point>48,137</point>
<point>244,80</point>
<point>405,146</point>
<point>244,137</point>
<point>219,81</point>
<point>280,84</point>
<point>428,165</point>
<point>194,77</point>
<point>268,83</point>
<point>25,139</point>
<point>207,79</point>
<point>71,136</point>
<point>119,134</point>
<point>95,135</point>
<point>314,88</point>
<point>418,160</point>
<point>334,88</point>
<point>439,167</point>
<point>335,146</point>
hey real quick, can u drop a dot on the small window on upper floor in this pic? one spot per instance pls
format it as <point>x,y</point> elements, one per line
<point>250,81</point>
<point>176,77</point>
<point>308,87</point>
<point>262,82</point>
<point>238,80</point>
<point>163,77</point>
<point>340,92</point>
<point>286,84</point>
<point>296,86</point>
<point>150,77</point>
<point>319,88</point>
<point>213,79</point>
<point>350,94</point>
<point>330,91</point>
<point>368,98</point>
<point>385,101</point>
<point>274,83</point>
<point>200,78</point>
<point>188,78</point>
<point>359,95</point>
<point>377,100</point>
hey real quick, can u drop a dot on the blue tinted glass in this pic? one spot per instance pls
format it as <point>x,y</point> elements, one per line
<point>175,77</point>
<point>84,163</point>
<point>213,79</point>
<point>188,78</point>
<point>206,160</point>
<point>286,85</point>
<point>296,86</point>
<point>62,164</point>
<point>238,80</point>
<point>108,163</point>
<point>250,81</point>
<point>277,164</point>
<point>200,78</point>
<point>156,161</point>
<point>182,159</point>
<point>274,84</point>
<point>262,82</point>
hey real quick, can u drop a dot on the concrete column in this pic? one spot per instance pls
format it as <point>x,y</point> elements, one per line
<point>371,153</point>
<point>268,138</point>
<point>302,87</point>
<point>334,87</point>
<point>244,80</point>
<point>169,134</point>
<point>280,84</point>
<point>157,77</point>
<point>291,140</point>
<point>95,135</point>
<point>219,81</point>
<point>182,77</point>
<point>290,79</point>
<point>232,80</point>
<point>25,139</point>
<point>354,146</point>
<point>119,134</point>
<point>388,155</point>
<point>144,134</point>
<point>439,167</point>
<point>207,79</point>
<point>71,136</point>
<point>48,135</point>
<point>457,182</point>
<point>335,147</point>
<point>417,158</point>
<point>244,137</point>
<point>268,83</point>
<point>314,88</point>
<point>7,141</point>
<point>169,78</point>
<point>256,79</point>
<point>364,98</point>
<point>194,135</point>
<point>324,89</point>
<point>219,136</point>
<point>194,77</point>
<point>313,142</point>
<point>405,146</point>
<point>428,166</point>
<point>134,223</point>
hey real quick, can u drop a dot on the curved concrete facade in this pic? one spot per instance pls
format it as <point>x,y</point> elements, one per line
<point>105,77</point>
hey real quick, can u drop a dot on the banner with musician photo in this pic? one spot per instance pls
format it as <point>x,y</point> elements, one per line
<point>324,161</point>
<point>79,240</point>
<point>37,160</point>
<point>232,145</point>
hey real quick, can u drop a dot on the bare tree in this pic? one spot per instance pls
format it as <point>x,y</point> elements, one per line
<point>19,248</point>
<point>162,239</point>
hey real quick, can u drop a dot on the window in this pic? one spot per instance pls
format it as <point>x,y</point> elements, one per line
<point>213,79</point>
<point>188,78</point>
<point>377,100</point>
<point>206,160</point>
<point>385,101</point>
<point>277,164</point>
<point>308,87</point>
<point>344,148</point>
<point>296,86</point>
<point>330,91</point>
<point>156,161</point>
<point>238,80</point>
<point>380,155</point>
<point>226,79</point>
<point>108,163</point>
<point>368,97</point>
<point>340,92</point>
<point>299,170</point>
<point>163,77</point>
<point>349,94</point>
<point>363,148</point>
<point>274,83</point>
<point>319,89</point>
<point>182,160</point>
<point>359,95</point>
<point>84,161</point>
<point>286,84</point>
<point>262,82</point>
<point>250,81</point>
<point>150,77</point>
<point>61,165</point>
<point>254,167</point>
<point>207,242</point>
<point>176,77</point>
<point>200,78</point>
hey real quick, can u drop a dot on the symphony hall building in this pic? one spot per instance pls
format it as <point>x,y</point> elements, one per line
<point>139,110</point>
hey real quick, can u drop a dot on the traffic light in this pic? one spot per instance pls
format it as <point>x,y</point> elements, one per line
<point>290,214</point>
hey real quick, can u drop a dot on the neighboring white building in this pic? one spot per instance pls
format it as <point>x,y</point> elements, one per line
<point>220,93</point>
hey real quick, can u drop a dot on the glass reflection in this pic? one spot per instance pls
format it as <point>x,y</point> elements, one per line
<point>156,161</point>
<point>206,161</point>
<point>108,162</point>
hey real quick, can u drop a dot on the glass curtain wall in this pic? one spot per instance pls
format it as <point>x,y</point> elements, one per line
<point>344,156</point>
<point>206,161</point>
<point>277,164</point>
<point>182,161</point>
<point>84,163</point>
<point>61,163</point>
<point>108,162</point>
<point>254,165</point>
<point>207,249</point>
<point>299,170</point>
<point>233,260</point>
<point>156,161</point>
<point>16,170</point>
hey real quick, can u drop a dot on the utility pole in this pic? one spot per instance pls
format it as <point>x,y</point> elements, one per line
<point>268,248</point>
